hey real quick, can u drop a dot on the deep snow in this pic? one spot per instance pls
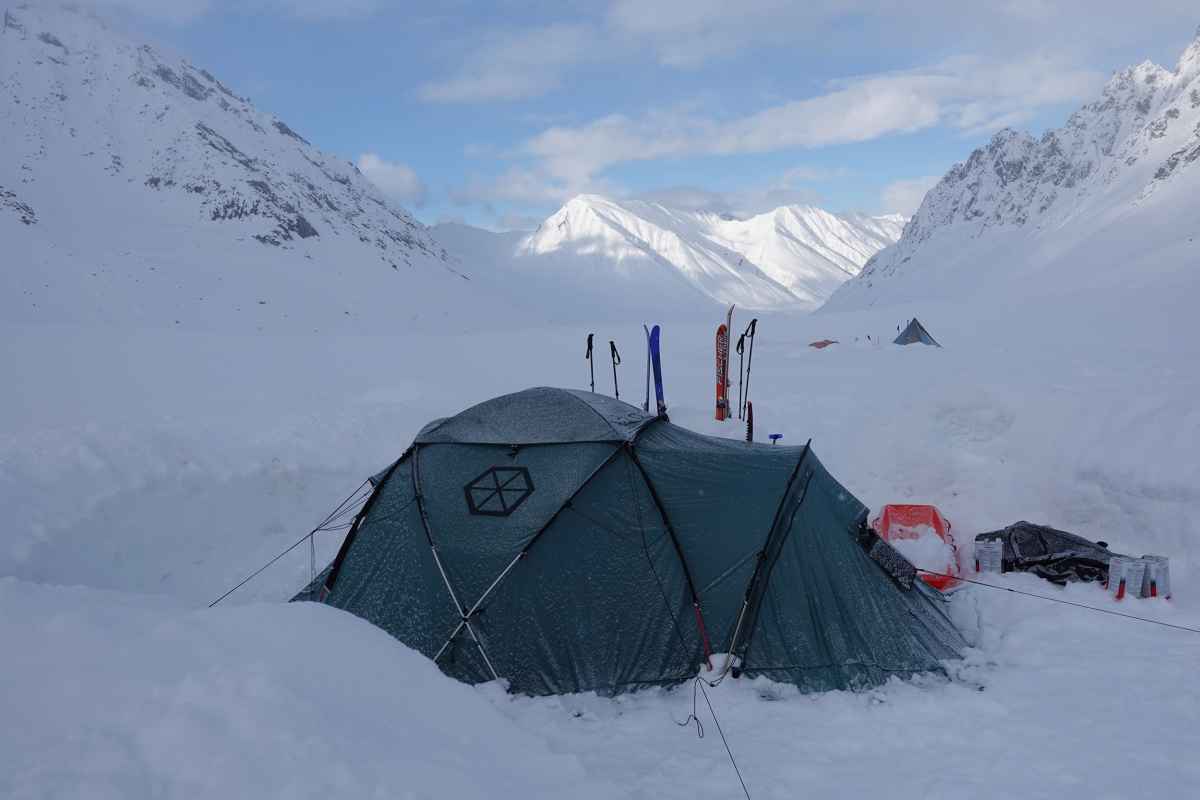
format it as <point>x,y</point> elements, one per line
<point>163,466</point>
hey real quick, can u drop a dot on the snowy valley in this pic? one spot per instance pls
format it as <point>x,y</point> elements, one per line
<point>213,331</point>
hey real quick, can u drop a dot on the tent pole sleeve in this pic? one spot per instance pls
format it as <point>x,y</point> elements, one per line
<point>687,573</point>
<point>754,576</point>
<point>327,587</point>
<point>416,480</point>
<point>771,568</point>
<point>465,621</point>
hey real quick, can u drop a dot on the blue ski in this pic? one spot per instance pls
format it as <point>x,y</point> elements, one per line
<point>656,362</point>
<point>646,402</point>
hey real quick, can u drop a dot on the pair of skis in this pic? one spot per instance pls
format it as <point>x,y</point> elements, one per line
<point>723,367</point>
<point>654,366</point>
<point>745,409</point>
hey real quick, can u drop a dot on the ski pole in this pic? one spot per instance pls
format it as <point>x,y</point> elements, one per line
<point>616,359</point>
<point>591,368</point>
<point>741,346</point>
<point>751,331</point>
<point>646,404</point>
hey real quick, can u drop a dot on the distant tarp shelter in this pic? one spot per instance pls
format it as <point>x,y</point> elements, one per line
<point>565,541</point>
<point>915,333</point>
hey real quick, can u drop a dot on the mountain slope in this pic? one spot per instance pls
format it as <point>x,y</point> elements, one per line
<point>1108,198</point>
<point>792,257</point>
<point>120,159</point>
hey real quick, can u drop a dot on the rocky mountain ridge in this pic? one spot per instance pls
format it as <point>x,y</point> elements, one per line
<point>1104,167</point>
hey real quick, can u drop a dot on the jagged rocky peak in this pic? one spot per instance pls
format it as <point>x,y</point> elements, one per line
<point>155,120</point>
<point>1138,137</point>
<point>1016,178</point>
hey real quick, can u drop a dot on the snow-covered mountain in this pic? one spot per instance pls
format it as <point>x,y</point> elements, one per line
<point>139,187</point>
<point>1108,199</point>
<point>792,257</point>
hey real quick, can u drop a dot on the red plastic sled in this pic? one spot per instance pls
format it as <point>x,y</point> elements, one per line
<point>898,522</point>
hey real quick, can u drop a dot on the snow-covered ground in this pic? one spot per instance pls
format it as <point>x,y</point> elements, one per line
<point>144,472</point>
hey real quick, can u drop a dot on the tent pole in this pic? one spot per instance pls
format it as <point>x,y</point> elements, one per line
<point>465,618</point>
<point>471,612</point>
<point>771,567</point>
<point>750,585</point>
<point>327,587</point>
<point>687,573</point>
<point>416,479</point>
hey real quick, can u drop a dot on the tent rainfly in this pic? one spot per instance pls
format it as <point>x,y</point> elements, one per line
<point>915,333</point>
<point>565,542</point>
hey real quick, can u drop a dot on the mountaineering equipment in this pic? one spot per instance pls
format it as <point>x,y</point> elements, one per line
<point>910,522</point>
<point>616,359</point>
<point>646,402</point>
<point>591,367</point>
<point>1055,555</point>
<point>741,346</point>
<point>749,421</point>
<point>656,363</point>
<point>774,437</point>
<point>724,365</point>
<point>749,333</point>
<point>564,541</point>
<point>915,333</point>
<point>722,413</point>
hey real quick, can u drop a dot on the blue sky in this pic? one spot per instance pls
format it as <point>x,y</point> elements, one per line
<point>495,113</point>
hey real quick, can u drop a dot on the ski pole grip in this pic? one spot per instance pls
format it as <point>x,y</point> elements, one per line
<point>588,354</point>
<point>751,328</point>
<point>612,346</point>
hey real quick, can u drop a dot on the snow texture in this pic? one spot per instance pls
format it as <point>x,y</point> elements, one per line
<point>156,447</point>
<point>923,548</point>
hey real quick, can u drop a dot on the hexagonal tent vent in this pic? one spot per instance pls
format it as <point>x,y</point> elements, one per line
<point>499,491</point>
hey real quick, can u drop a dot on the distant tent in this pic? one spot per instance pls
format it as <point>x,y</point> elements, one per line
<point>915,333</point>
<point>565,542</point>
<point>823,343</point>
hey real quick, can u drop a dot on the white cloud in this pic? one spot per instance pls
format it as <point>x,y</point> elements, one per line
<point>970,94</point>
<point>516,65</point>
<point>397,181</point>
<point>905,196</point>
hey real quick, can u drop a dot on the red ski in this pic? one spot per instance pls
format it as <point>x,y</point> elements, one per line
<point>722,373</point>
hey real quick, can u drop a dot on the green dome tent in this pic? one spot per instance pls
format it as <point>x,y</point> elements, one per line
<point>565,542</point>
